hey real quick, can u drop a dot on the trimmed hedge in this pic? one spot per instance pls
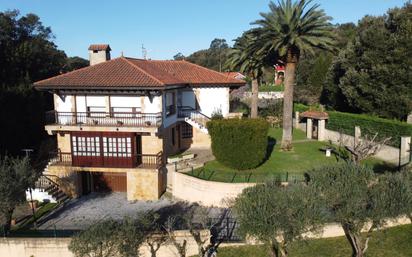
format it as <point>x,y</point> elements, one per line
<point>239,143</point>
<point>346,122</point>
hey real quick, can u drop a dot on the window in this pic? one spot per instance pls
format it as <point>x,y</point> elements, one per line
<point>125,112</point>
<point>173,136</point>
<point>96,111</point>
<point>86,146</point>
<point>186,130</point>
<point>117,147</point>
<point>170,103</point>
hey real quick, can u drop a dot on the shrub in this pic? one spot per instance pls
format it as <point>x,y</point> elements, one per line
<point>240,144</point>
<point>346,122</point>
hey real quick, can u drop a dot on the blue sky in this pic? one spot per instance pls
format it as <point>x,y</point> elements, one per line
<point>165,27</point>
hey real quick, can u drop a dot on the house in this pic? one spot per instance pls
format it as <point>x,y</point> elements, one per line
<point>117,120</point>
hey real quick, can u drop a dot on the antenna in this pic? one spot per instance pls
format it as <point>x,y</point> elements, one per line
<point>144,52</point>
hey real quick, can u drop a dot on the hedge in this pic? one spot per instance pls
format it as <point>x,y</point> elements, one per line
<point>239,143</point>
<point>346,122</point>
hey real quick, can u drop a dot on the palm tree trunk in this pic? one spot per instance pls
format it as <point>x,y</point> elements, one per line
<point>255,99</point>
<point>288,105</point>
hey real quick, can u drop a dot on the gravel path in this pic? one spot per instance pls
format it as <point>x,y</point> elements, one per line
<point>89,209</point>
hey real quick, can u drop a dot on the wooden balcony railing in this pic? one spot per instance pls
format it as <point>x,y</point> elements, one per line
<point>128,119</point>
<point>148,161</point>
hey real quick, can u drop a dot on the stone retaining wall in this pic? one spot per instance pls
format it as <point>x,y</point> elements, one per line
<point>58,247</point>
<point>208,193</point>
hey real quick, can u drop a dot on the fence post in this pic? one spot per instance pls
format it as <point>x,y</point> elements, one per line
<point>287,177</point>
<point>358,134</point>
<point>404,152</point>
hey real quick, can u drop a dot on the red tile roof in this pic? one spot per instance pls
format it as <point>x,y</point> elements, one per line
<point>99,47</point>
<point>234,74</point>
<point>315,115</point>
<point>136,73</point>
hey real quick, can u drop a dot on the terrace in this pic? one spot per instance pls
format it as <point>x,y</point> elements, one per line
<point>115,119</point>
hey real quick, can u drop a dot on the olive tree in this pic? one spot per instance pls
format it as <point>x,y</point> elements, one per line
<point>359,200</point>
<point>16,176</point>
<point>279,215</point>
<point>113,238</point>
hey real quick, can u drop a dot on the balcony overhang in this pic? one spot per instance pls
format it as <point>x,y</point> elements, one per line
<point>55,128</point>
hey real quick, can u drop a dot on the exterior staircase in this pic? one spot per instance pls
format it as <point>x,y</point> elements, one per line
<point>46,188</point>
<point>193,117</point>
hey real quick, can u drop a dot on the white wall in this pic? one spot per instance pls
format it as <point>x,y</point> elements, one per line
<point>63,105</point>
<point>208,193</point>
<point>152,107</point>
<point>125,101</point>
<point>39,195</point>
<point>212,99</point>
<point>80,103</point>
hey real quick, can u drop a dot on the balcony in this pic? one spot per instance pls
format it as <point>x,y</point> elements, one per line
<point>144,161</point>
<point>117,119</point>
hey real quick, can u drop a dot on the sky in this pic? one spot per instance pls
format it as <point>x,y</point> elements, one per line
<point>165,27</point>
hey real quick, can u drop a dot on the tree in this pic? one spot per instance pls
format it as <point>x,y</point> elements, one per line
<point>370,74</point>
<point>27,54</point>
<point>74,63</point>
<point>178,57</point>
<point>113,238</point>
<point>356,199</point>
<point>96,241</point>
<point>213,57</point>
<point>16,176</point>
<point>244,58</point>
<point>293,29</point>
<point>279,215</point>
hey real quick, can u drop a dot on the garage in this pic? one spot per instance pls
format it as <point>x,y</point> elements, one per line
<point>109,181</point>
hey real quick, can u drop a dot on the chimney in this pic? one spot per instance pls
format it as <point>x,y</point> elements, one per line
<point>99,53</point>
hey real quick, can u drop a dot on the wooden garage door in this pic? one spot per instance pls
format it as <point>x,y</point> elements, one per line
<point>109,182</point>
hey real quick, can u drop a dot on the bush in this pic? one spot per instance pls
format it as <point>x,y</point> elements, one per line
<point>346,122</point>
<point>239,144</point>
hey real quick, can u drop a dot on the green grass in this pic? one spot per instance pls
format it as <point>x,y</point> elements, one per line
<point>44,209</point>
<point>395,241</point>
<point>270,88</point>
<point>286,166</point>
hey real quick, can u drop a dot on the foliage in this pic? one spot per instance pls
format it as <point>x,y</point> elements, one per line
<point>372,75</point>
<point>99,240</point>
<point>292,29</point>
<point>310,77</point>
<point>275,108</point>
<point>27,54</point>
<point>217,115</point>
<point>213,58</point>
<point>114,238</point>
<point>239,143</point>
<point>354,196</point>
<point>346,122</point>
<point>279,215</point>
<point>394,241</point>
<point>16,176</point>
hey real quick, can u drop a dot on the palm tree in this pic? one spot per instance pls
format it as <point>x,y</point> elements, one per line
<point>292,29</point>
<point>245,58</point>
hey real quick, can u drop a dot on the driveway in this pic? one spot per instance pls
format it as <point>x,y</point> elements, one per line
<point>81,213</point>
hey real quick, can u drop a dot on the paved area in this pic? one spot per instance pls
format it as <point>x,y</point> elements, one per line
<point>83,212</point>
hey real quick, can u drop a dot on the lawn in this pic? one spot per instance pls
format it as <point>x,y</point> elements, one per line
<point>395,241</point>
<point>286,166</point>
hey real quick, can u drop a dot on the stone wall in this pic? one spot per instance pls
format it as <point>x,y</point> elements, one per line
<point>387,153</point>
<point>208,193</point>
<point>53,247</point>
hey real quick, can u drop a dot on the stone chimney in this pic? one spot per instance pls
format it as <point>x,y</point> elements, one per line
<point>99,53</point>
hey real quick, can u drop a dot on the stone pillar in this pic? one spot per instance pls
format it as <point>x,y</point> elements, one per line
<point>321,130</point>
<point>409,119</point>
<point>108,105</point>
<point>309,128</point>
<point>404,153</point>
<point>358,134</point>
<point>297,119</point>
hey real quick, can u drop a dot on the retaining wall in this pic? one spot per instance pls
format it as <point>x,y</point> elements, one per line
<point>53,247</point>
<point>208,193</point>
